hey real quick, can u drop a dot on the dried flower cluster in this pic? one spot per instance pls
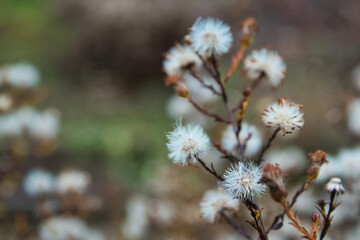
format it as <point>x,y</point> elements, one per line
<point>247,177</point>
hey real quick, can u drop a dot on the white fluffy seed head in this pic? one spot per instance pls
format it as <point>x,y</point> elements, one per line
<point>215,201</point>
<point>242,180</point>
<point>210,36</point>
<point>180,59</point>
<point>184,142</point>
<point>335,185</point>
<point>22,75</point>
<point>253,144</point>
<point>63,228</point>
<point>284,114</point>
<point>265,62</point>
<point>38,182</point>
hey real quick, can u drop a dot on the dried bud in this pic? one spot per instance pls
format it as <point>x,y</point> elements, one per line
<point>181,90</point>
<point>335,185</point>
<point>248,29</point>
<point>316,159</point>
<point>272,176</point>
<point>172,80</point>
<point>315,217</point>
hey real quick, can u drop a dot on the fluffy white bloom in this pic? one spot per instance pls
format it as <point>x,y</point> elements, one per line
<point>136,221</point>
<point>10,125</point>
<point>291,158</point>
<point>349,160</point>
<point>72,181</point>
<point>210,36</point>
<point>229,143</point>
<point>180,59</point>
<point>353,116</point>
<point>284,114</point>
<point>335,185</point>
<point>163,212</point>
<point>44,125</point>
<point>22,75</point>
<point>63,228</point>
<point>215,201</point>
<point>38,182</point>
<point>267,63</point>
<point>185,142</point>
<point>242,180</point>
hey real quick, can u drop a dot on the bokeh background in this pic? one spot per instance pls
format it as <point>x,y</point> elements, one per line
<point>100,63</point>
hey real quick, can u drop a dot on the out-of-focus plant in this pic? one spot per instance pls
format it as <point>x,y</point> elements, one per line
<point>192,68</point>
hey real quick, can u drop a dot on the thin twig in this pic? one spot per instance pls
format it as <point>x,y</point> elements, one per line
<point>201,81</point>
<point>268,144</point>
<point>211,171</point>
<point>328,219</point>
<point>238,229</point>
<point>207,113</point>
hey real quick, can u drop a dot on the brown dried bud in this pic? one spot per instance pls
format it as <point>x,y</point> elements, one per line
<point>172,80</point>
<point>248,29</point>
<point>181,90</point>
<point>317,159</point>
<point>272,176</point>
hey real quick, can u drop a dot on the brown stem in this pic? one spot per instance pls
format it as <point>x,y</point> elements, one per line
<point>234,63</point>
<point>327,220</point>
<point>236,228</point>
<point>293,201</point>
<point>256,214</point>
<point>210,170</point>
<point>207,113</point>
<point>201,81</point>
<point>296,223</point>
<point>268,144</point>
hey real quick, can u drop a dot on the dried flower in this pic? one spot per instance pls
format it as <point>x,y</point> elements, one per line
<point>265,63</point>
<point>187,142</point>
<point>215,201</point>
<point>317,159</point>
<point>181,59</point>
<point>210,36</point>
<point>242,180</point>
<point>335,185</point>
<point>253,144</point>
<point>248,29</point>
<point>272,176</point>
<point>284,114</point>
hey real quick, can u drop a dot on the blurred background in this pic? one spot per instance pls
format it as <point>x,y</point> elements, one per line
<point>92,73</point>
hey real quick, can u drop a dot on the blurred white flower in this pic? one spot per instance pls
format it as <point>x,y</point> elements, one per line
<point>185,142</point>
<point>63,228</point>
<point>136,221</point>
<point>180,59</point>
<point>5,102</point>
<point>229,142</point>
<point>38,182</point>
<point>284,114</point>
<point>242,180</point>
<point>72,181</point>
<point>356,77</point>
<point>22,75</point>
<point>291,158</point>
<point>44,125</point>
<point>215,201</point>
<point>210,36</point>
<point>94,234</point>
<point>353,116</point>
<point>162,211</point>
<point>350,162</point>
<point>265,62</point>
<point>10,125</point>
